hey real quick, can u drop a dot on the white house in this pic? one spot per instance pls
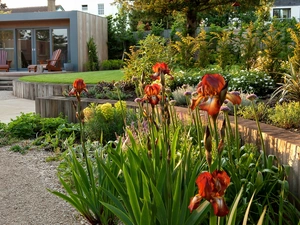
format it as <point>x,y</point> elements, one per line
<point>286,9</point>
<point>96,7</point>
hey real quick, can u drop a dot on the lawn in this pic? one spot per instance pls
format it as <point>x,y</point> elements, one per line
<point>68,78</point>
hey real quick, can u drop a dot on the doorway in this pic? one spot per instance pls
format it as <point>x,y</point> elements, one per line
<point>33,47</point>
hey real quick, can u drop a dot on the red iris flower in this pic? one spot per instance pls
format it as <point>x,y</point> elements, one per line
<point>212,186</point>
<point>78,87</point>
<point>159,68</point>
<point>212,91</point>
<point>152,94</point>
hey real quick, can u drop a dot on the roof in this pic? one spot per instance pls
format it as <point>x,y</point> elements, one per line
<point>33,9</point>
<point>286,3</point>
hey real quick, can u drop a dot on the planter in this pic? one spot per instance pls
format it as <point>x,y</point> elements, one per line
<point>68,66</point>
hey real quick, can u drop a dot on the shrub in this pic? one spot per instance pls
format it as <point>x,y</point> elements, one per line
<point>50,125</point>
<point>261,111</point>
<point>141,59</point>
<point>256,82</point>
<point>105,122</point>
<point>180,97</point>
<point>25,126</point>
<point>93,63</point>
<point>289,89</point>
<point>108,90</point>
<point>112,64</point>
<point>286,115</point>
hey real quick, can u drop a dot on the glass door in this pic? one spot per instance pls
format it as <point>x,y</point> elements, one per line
<point>41,49</point>
<point>24,48</point>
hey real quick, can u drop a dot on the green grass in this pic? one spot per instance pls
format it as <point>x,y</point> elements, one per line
<point>68,78</point>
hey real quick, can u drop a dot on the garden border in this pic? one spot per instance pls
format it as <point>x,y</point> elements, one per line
<point>284,144</point>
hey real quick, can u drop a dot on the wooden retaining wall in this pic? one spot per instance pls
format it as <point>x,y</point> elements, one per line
<point>30,90</point>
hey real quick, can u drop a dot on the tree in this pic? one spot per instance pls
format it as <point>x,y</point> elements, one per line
<point>190,8</point>
<point>2,5</point>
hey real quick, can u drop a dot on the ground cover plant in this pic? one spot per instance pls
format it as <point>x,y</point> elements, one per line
<point>166,170</point>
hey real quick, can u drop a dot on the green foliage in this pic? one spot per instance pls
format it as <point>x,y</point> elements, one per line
<point>224,51</point>
<point>93,63</point>
<point>108,90</point>
<point>50,125</point>
<point>249,49</point>
<point>112,64</point>
<point>240,80</point>
<point>119,36</point>
<point>261,110</point>
<point>179,95</point>
<point>269,60</point>
<point>22,149</point>
<point>104,122</point>
<point>259,83</point>
<point>157,28</point>
<point>65,135</point>
<point>84,185</point>
<point>141,59</point>
<point>184,51</point>
<point>289,89</point>
<point>179,24</point>
<point>286,115</point>
<point>202,46</point>
<point>295,35</point>
<point>25,126</point>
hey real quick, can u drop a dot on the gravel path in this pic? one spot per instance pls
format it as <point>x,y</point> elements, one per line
<point>24,180</point>
<point>23,191</point>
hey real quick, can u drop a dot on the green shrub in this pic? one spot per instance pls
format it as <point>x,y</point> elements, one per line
<point>256,82</point>
<point>93,63</point>
<point>180,97</point>
<point>141,59</point>
<point>289,89</point>
<point>104,122</point>
<point>112,64</point>
<point>108,90</point>
<point>261,111</point>
<point>286,115</point>
<point>25,126</point>
<point>50,125</point>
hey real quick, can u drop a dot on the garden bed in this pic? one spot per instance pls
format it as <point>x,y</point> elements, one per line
<point>285,145</point>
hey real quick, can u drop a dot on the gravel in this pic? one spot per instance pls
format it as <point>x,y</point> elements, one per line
<point>24,196</point>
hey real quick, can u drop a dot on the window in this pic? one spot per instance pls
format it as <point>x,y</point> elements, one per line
<point>100,9</point>
<point>282,13</point>
<point>84,8</point>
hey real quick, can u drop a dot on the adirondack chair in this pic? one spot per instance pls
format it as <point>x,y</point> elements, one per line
<point>4,63</point>
<point>54,63</point>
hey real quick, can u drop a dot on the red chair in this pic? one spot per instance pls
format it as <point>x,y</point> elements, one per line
<point>53,64</point>
<point>4,63</point>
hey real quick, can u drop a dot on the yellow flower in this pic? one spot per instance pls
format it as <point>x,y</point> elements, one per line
<point>88,113</point>
<point>107,110</point>
<point>120,105</point>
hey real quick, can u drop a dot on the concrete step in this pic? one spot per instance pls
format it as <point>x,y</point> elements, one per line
<point>6,88</point>
<point>5,82</point>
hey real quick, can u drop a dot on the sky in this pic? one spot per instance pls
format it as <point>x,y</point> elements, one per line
<point>66,4</point>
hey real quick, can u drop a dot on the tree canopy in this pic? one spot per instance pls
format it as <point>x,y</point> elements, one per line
<point>190,8</point>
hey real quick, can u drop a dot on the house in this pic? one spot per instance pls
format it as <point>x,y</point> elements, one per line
<point>286,9</point>
<point>96,7</point>
<point>29,37</point>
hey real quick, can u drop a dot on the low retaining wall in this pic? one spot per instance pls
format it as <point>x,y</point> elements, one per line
<point>30,90</point>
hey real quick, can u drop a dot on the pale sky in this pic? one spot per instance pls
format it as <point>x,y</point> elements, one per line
<point>66,4</point>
